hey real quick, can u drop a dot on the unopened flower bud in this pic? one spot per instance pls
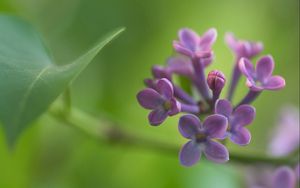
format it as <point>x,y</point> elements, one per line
<point>216,81</point>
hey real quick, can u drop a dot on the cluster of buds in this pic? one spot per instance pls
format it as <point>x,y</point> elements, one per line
<point>165,95</point>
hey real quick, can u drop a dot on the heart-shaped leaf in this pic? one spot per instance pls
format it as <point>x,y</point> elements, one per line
<point>29,79</point>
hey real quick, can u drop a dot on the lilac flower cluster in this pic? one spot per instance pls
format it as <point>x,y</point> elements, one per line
<point>165,95</point>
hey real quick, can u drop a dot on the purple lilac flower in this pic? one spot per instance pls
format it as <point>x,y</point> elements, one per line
<point>201,139</point>
<point>161,101</point>
<point>198,49</point>
<point>216,81</point>
<point>193,45</point>
<point>240,48</point>
<point>261,78</point>
<point>237,120</point>
<point>285,138</point>
<point>243,48</point>
<point>284,177</point>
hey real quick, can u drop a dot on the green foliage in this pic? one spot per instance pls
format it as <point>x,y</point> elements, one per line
<point>29,79</point>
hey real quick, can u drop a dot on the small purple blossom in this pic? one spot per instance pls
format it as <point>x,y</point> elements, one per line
<point>284,177</point>
<point>261,78</point>
<point>237,120</point>
<point>161,101</point>
<point>243,48</point>
<point>193,45</point>
<point>201,139</point>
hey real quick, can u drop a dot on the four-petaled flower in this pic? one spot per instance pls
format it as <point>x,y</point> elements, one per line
<point>261,78</point>
<point>201,139</point>
<point>237,120</point>
<point>160,100</point>
<point>243,48</point>
<point>193,45</point>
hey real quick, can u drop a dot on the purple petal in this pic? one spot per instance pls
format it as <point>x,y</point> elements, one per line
<point>231,41</point>
<point>149,98</point>
<point>165,88</point>
<point>189,154</point>
<point>223,107</point>
<point>243,115</point>
<point>180,65</point>
<point>264,68</point>
<point>207,61</point>
<point>256,48</point>
<point>150,83</point>
<point>215,126</point>
<point>241,136</point>
<point>189,125</point>
<point>247,68</point>
<point>175,107</point>
<point>208,38</point>
<point>188,38</point>
<point>216,152</point>
<point>156,117</point>
<point>274,83</point>
<point>181,49</point>
<point>284,177</point>
<point>160,72</point>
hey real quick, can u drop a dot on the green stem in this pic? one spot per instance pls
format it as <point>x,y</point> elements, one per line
<point>109,132</point>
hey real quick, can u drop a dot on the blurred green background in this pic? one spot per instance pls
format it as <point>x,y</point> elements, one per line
<point>50,154</point>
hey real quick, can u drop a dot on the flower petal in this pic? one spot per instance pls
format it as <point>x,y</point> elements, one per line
<point>160,72</point>
<point>274,83</point>
<point>181,49</point>
<point>207,39</point>
<point>231,41</point>
<point>264,68</point>
<point>284,177</point>
<point>189,154</point>
<point>243,115</point>
<point>165,88</point>
<point>216,152</point>
<point>188,38</point>
<point>215,126</point>
<point>247,68</point>
<point>149,98</point>
<point>223,107</point>
<point>241,136</point>
<point>189,125</point>
<point>156,117</point>
<point>180,65</point>
<point>175,107</point>
<point>256,48</point>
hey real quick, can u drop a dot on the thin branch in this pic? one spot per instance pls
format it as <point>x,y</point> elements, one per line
<point>111,133</point>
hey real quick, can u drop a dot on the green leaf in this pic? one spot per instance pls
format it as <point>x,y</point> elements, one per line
<point>29,79</point>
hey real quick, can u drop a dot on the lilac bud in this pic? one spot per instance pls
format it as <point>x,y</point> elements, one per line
<point>216,81</point>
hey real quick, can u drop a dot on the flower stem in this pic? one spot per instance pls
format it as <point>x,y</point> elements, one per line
<point>194,109</point>
<point>200,79</point>
<point>235,77</point>
<point>249,98</point>
<point>112,133</point>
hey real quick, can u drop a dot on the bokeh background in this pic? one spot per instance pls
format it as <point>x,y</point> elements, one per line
<point>51,154</point>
